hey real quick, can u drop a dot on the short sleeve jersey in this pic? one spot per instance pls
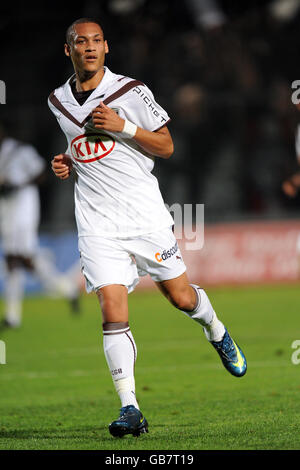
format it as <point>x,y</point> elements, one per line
<point>116,195</point>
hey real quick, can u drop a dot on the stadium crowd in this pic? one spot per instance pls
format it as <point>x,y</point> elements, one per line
<point>222,69</point>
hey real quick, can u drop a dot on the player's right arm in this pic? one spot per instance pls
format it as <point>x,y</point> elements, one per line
<point>62,166</point>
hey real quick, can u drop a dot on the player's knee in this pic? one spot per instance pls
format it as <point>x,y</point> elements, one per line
<point>114,308</point>
<point>110,304</point>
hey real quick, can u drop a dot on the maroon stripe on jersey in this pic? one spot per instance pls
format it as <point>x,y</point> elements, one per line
<point>55,101</point>
<point>124,89</point>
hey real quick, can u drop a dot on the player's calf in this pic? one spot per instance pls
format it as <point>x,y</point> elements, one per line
<point>184,299</point>
<point>193,301</point>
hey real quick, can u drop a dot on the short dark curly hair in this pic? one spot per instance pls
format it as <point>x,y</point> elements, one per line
<point>71,32</point>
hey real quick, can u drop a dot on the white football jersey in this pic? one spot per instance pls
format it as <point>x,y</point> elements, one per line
<point>116,194</point>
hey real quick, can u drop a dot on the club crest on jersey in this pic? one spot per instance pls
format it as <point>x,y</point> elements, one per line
<point>88,147</point>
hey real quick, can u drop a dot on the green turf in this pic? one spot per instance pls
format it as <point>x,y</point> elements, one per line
<point>56,391</point>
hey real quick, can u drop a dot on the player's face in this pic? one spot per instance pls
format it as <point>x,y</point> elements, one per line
<point>88,48</point>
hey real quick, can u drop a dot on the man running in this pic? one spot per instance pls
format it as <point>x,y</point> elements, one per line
<point>115,129</point>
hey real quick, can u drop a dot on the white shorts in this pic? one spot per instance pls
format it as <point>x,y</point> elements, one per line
<point>106,260</point>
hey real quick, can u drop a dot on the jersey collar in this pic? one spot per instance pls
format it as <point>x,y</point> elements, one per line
<point>99,91</point>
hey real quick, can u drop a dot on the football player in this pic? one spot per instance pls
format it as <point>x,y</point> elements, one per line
<point>21,170</point>
<point>115,129</point>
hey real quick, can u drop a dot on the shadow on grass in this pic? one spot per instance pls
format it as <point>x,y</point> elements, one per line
<point>89,433</point>
<point>85,433</point>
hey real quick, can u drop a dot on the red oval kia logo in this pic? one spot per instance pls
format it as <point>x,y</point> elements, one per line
<point>88,148</point>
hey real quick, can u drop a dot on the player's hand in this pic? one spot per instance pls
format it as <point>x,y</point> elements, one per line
<point>289,188</point>
<point>107,119</point>
<point>291,185</point>
<point>62,166</point>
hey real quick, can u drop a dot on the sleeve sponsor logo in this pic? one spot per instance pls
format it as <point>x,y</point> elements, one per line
<point>149,103</point>
<point>88,148</point>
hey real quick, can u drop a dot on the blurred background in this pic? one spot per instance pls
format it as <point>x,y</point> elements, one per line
<point>222,69</point>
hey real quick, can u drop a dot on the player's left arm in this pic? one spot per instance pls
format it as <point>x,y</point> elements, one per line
<point>158,143</point>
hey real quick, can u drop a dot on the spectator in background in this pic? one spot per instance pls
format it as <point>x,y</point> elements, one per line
<point>235,51</point>
<point>191,134</point>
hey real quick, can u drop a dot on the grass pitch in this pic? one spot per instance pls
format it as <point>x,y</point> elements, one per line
<point>56,391</point>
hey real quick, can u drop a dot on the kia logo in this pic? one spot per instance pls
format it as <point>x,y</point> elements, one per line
<point>88,148</point>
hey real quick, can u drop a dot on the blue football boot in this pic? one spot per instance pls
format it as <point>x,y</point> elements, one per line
<point>231,355</point>
<point>130,421</point>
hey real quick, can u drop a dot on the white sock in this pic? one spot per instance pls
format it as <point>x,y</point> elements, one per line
<point>120,353</point>
<point>13,296</point>
<point>205,315</point>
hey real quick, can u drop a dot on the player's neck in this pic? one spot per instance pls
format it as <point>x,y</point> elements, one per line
<point>88,80</point>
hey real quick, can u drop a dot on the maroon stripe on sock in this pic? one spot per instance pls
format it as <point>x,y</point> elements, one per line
<point>109,328</point>
<point>134,351</point>
<point>110,333</point>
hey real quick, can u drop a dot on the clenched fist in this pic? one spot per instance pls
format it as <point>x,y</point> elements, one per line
<point>62,166</point>
<point>107,119</point>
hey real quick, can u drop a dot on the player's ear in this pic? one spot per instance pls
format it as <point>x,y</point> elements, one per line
<point>67,50</point>
<point>106,48</point>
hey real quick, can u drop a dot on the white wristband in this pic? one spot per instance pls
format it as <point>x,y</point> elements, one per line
<point>129,130</point>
